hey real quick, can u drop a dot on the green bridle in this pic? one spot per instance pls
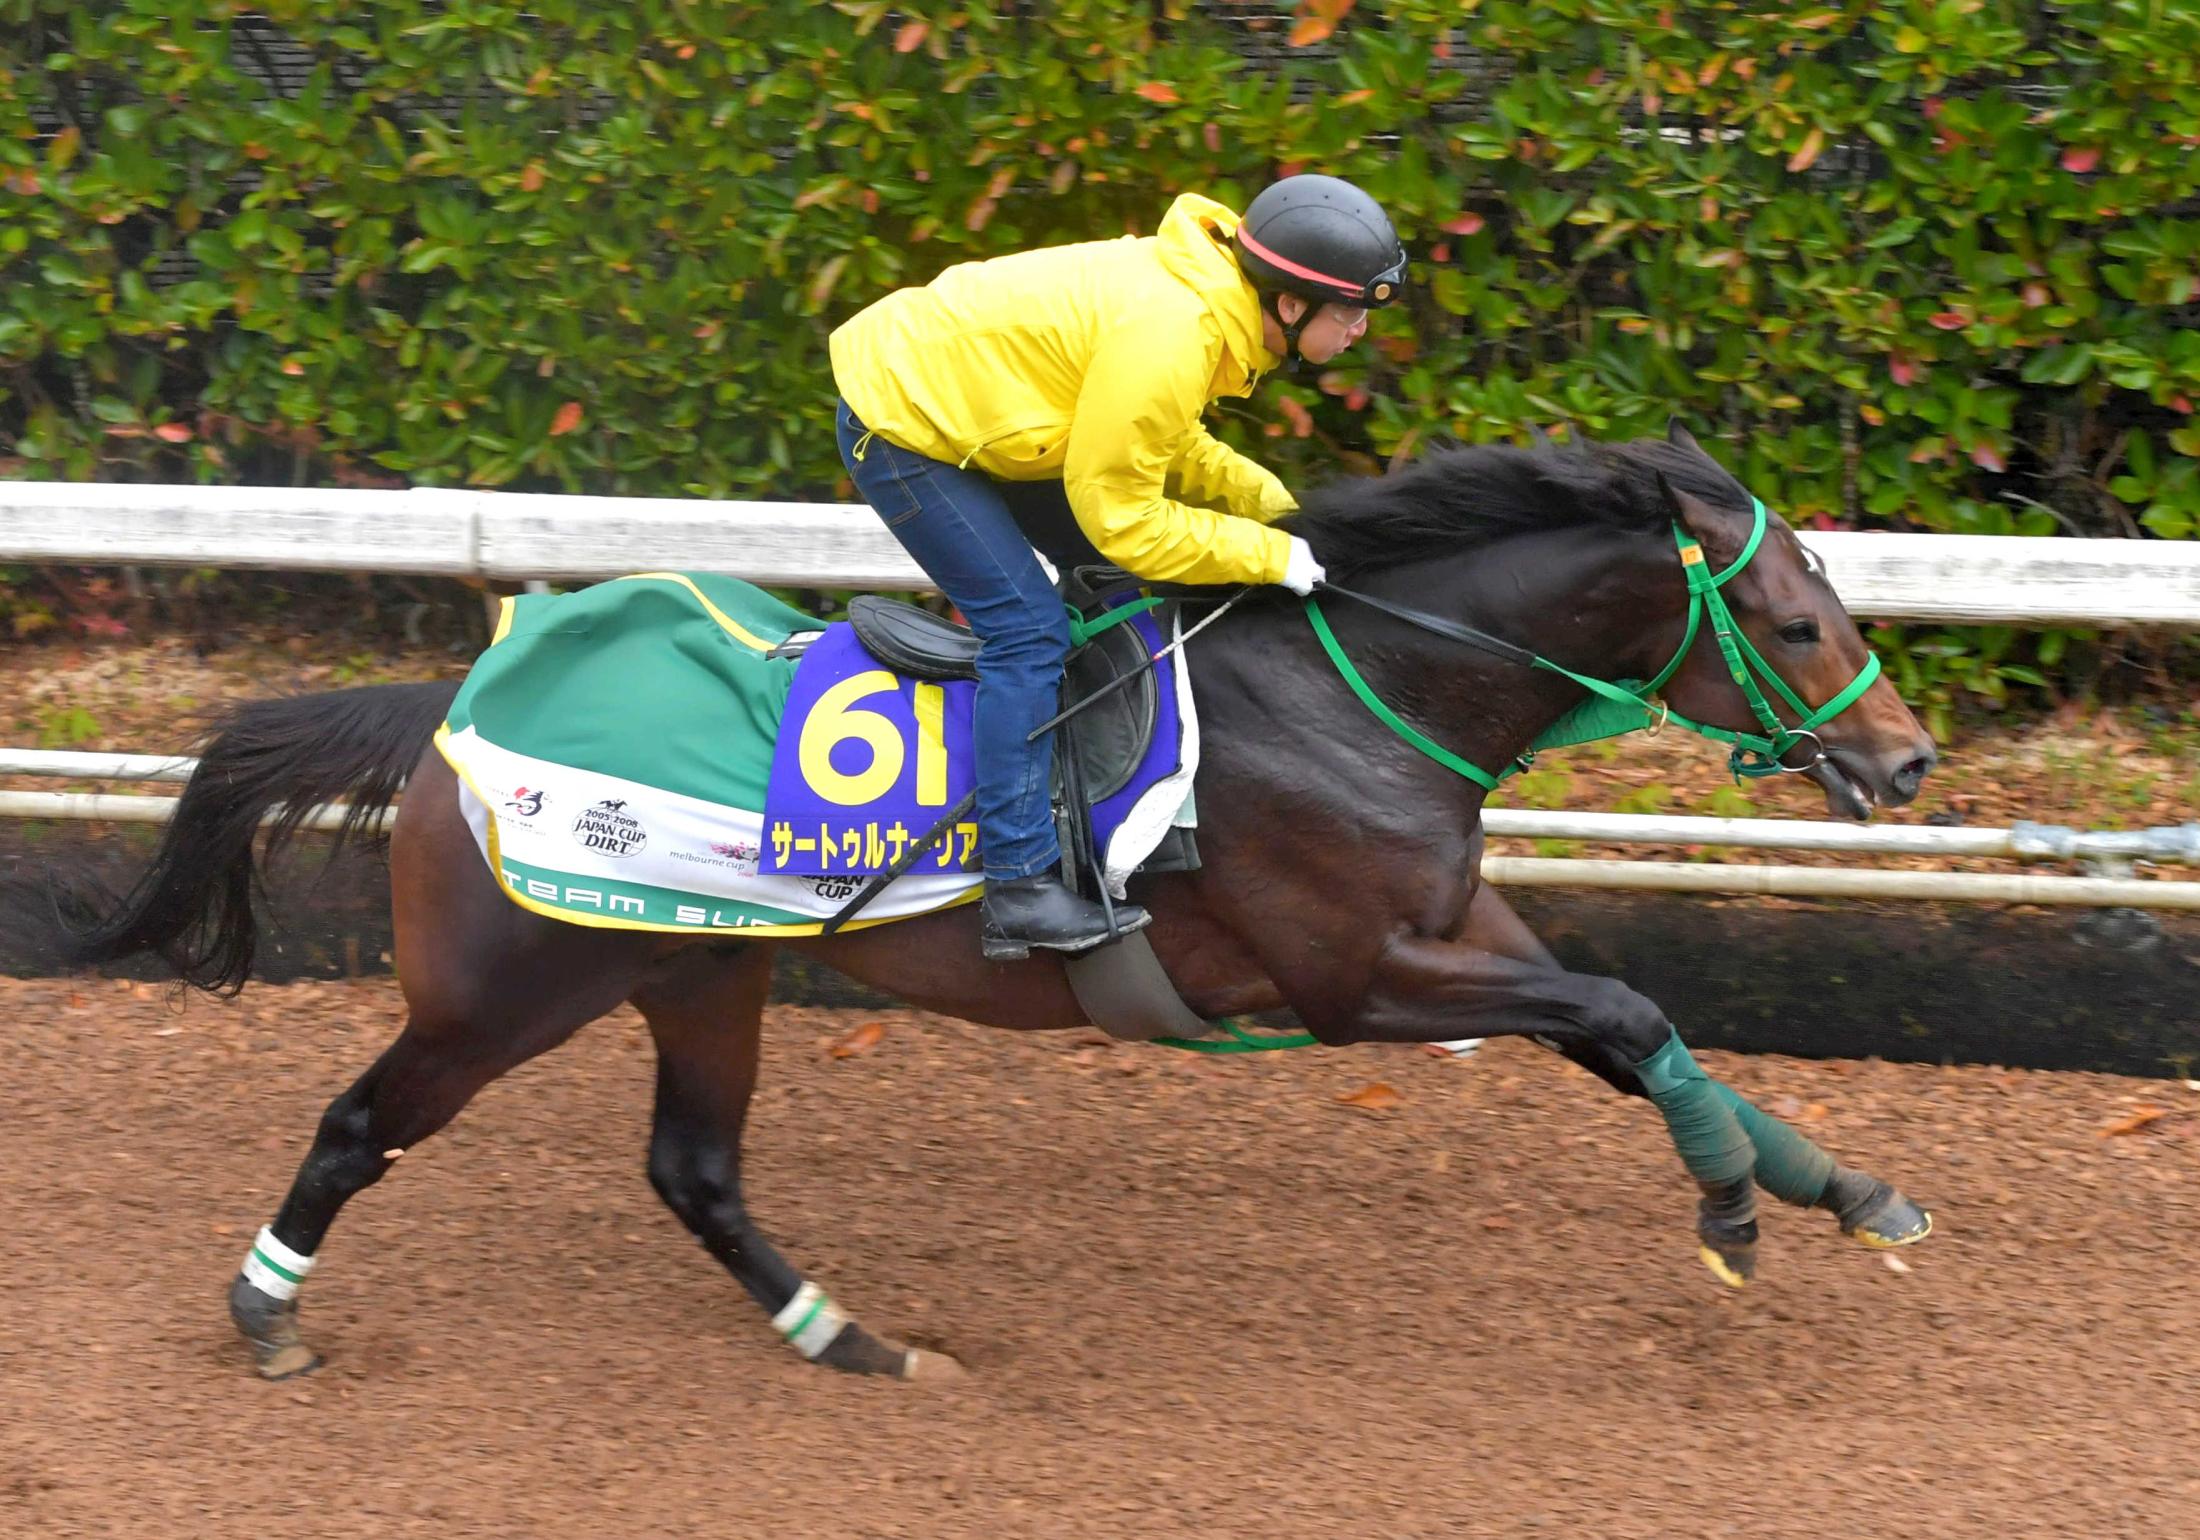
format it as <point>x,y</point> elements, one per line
<point>1752,754</point>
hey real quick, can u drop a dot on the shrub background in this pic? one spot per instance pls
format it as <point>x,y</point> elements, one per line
<point>1920,266</point>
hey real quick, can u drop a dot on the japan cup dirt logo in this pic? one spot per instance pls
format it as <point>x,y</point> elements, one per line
<point>607,828</point>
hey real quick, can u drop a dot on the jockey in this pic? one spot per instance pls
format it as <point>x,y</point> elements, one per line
<point>1071,379</point>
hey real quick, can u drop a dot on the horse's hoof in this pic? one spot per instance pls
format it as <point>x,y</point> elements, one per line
<point>1732,1265</point>
<point>1894,1222</point>
<point>270,1327</point>
<point>288,1362</point>
<point>1874,1213</point>
<point>1726,1226</point>
<point>856,1351</point>
<point>931,1368</point>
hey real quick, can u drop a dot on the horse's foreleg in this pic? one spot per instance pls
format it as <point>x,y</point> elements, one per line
<point>1423,989</point>
<point>1789,1166</point>
<point>705,1010</point>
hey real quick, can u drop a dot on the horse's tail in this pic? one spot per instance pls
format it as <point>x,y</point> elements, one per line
<point>269,761</point>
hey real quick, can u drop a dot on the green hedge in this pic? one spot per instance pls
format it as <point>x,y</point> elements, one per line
<point>1927,265</point>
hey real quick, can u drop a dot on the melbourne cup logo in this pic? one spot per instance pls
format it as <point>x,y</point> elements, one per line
<point>737,855</point>
<point>608,829</point>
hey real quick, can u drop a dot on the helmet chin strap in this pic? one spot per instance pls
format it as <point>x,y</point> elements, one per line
<point>1291,330</point>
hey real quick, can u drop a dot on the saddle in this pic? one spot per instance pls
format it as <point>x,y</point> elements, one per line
<point>1122,986</point>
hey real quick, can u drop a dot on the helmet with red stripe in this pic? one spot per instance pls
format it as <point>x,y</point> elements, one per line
<point>1322,239</point>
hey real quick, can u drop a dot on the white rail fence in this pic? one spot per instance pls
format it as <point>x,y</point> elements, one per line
<point>512,536</point>
<point>1957,579</point>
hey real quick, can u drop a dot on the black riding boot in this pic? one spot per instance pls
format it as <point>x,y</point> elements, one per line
<point>1025,912</point>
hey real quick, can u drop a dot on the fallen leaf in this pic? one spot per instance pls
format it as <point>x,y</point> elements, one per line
<point>2139,1117</point>
<point>568,418</point>
<point>911,36</point>
<point>531,179</point>
<point>862,1040</point>
<point>1373,1097</point>
<point>1158,91</point>
<point>1813,142</point>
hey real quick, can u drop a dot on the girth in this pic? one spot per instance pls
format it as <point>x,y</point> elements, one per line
<point>1122,987</point>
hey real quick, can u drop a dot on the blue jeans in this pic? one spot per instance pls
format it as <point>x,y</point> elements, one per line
<point>961,527</point>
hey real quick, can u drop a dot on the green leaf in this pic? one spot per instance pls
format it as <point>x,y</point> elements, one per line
<point>2139,455</point>
<point>1897,234</point>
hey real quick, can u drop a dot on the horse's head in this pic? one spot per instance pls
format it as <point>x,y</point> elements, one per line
<point>1871,752</point>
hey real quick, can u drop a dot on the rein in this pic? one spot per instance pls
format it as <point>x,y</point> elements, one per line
<point>1752,754</point>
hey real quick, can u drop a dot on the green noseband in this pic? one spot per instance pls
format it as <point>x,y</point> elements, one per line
<point>1752,754</point>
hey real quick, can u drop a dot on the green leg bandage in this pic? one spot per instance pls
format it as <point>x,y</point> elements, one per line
<point>1790,1167</point>
<point>1705,1130</point>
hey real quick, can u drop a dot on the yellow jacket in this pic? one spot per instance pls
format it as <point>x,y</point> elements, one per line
<point>1093,363</point>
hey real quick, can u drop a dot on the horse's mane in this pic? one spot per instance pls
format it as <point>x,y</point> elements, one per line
<point>1454,499</point>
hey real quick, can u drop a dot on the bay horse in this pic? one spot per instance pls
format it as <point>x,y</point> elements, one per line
<point>1340,876</point>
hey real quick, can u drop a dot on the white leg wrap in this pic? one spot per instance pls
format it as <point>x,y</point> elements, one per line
<point>810,1322</point>
<point>273,1268</point>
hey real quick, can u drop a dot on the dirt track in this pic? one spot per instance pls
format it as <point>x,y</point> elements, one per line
<point>1197,1298</point>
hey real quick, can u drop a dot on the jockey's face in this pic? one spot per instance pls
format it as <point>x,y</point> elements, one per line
<point>1332,329</point>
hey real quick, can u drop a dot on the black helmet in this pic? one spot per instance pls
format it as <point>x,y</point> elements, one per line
<point>1323,240</point>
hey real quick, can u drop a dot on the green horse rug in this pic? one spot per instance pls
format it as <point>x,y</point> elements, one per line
<point>682,752</point>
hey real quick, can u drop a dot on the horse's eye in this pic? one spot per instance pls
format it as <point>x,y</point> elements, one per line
<point>1800,632</point>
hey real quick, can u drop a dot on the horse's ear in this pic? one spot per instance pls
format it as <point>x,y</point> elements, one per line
<point>1678,435</point>
<point>1721,540</point>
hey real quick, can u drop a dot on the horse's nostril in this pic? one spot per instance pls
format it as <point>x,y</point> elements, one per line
<point>1912,775</point>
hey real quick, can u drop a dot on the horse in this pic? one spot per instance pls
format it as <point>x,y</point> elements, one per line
<point>1340,876</point>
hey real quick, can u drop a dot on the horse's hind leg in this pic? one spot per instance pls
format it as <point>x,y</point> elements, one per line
<point>705,1009</point>
<point>1788,1165</point>
<point>418,1085</point>
<point>489,986</point>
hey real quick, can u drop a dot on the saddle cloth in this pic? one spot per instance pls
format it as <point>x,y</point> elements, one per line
<point>682,752</point>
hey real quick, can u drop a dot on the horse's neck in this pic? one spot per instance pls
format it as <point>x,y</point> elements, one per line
<point>1609,605</point>
<point>1602,606</point>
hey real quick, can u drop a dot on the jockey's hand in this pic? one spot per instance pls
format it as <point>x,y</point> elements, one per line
<point>1302,572</point>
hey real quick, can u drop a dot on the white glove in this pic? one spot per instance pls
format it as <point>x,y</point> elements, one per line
<point>1302,572</point>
